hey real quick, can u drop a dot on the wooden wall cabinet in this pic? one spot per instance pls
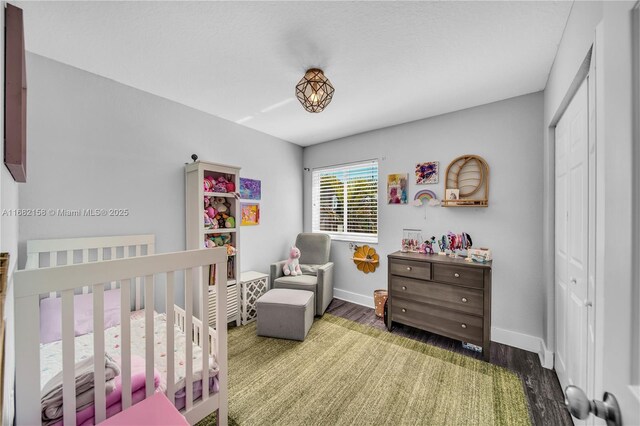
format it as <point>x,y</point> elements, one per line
<point>442,295</point>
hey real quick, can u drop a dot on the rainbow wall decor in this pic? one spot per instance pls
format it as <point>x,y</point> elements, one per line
<point>425,195</point>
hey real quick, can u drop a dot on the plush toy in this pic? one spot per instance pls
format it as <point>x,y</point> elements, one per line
<point>231,250</point>
<point>292,265</point>
<point>207,202</point>
<point>220,205</point>
<point>230,222</point>
<point>221,219</point>
<point>220,185</point>
<point>207,221</point>
<point>211,212</point>
<point>231,187</point>
<point>221,239</point>
<point>209,244</point>
<point>208,184</point>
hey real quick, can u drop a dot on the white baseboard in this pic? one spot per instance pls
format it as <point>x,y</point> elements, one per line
<point>352,297</point>
<point>546,356</point>
<point>524,341</point>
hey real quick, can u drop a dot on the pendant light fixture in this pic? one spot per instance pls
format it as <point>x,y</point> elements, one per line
<point>314,91</point>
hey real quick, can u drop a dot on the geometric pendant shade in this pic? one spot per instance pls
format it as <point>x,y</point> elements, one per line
<point>314,91</point>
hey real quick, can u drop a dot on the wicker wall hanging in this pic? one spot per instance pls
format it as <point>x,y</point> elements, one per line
<point>469,174</point>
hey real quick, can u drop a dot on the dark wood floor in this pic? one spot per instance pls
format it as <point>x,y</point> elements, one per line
<point>546,401</point>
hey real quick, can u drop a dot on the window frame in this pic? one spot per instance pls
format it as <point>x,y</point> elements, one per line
<point>346,236</point>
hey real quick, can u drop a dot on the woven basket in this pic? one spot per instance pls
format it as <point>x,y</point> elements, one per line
<point>379,299</point>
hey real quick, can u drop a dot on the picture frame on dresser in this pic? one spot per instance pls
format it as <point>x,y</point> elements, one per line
<point>442,295</point>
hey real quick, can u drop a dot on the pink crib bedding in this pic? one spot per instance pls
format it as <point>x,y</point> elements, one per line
<point>51,361</point>
<point>114,399</point>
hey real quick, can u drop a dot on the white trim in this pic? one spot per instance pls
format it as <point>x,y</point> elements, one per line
<point>352,297</point>
<point>546,356</point>
<point>356,238</point>
<point>523,341</point>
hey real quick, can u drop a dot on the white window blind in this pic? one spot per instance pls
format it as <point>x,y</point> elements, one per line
<point>345,201</point>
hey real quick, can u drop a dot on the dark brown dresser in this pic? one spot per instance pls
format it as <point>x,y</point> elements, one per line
<point>443,295</point>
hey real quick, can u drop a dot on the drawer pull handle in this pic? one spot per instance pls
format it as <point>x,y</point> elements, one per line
<point>463,325</point>
<point>457,275</point>
<point>404,310</point>
<point>404,287</point>
<point>464,300</point>
<point>408,268</point>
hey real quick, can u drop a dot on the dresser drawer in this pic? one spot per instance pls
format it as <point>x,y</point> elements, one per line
<point>407,268</point>
<point>438,320</point>
<point>446,295</point>
<point>467,276</point>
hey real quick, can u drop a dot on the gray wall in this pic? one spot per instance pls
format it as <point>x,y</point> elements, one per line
<point>95,143</point>
<point>508,134</point>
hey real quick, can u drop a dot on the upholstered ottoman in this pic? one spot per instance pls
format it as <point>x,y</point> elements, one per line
<point>285,313</point>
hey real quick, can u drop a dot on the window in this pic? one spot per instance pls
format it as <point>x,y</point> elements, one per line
<point>345,201</point>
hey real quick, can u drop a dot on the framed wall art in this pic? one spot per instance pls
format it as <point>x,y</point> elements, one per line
<point>250,189</point>
<point>427,172</point>
<point>397,188</point>
<point>250,214</point>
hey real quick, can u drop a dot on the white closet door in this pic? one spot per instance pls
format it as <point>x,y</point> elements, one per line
<point>572,240</point>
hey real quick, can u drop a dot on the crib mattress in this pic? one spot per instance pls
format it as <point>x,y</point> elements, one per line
<point>51,353</point>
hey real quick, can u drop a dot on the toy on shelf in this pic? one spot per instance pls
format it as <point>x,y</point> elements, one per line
<point>480,255</point>
<point>443,244</point>
<point>411,240</point>
<point>427,246</point>
<point>292,265</point>
<point>220,204</point>
<point>208,184</point>
<point>220,185</point>
<point>453,243</point>
<point>224,220</point>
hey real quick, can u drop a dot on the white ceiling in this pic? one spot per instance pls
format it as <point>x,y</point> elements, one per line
<point>390,62</point>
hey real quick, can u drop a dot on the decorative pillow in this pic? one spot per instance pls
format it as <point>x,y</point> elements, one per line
<point>51,315</point>
<point>309,269</point>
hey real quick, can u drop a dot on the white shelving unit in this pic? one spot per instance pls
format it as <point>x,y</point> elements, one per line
<point>196,233</point>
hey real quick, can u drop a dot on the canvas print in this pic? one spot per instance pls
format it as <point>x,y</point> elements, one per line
<point>250,189</point>
<point>397,188</point>
<point>250,214</point>
<point>427,172</point>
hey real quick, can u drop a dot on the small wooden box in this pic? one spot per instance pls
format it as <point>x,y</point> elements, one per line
<point>254,284</point>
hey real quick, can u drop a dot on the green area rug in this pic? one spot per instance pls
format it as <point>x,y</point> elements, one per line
<point>346,373</point>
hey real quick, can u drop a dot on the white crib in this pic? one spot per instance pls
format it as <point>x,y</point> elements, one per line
<point>123,262</point>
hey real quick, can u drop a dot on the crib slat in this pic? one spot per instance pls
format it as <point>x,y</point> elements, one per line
<point>149,333</point>
<point>85,259</point>
<point>171,377</point>
<point>114,255</point>
<point>98,352</point>
<point>204,332</point>
<point>188,331</point>
<point>69,257</point>
<point>221,344</point>
<point>138,291</point>
<point>53,261</point>
<point>27,314</point>
<point>125,342</point>
<point>68,359</point>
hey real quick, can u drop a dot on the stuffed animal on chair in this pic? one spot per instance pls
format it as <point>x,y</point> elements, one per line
<point>292,265</point>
